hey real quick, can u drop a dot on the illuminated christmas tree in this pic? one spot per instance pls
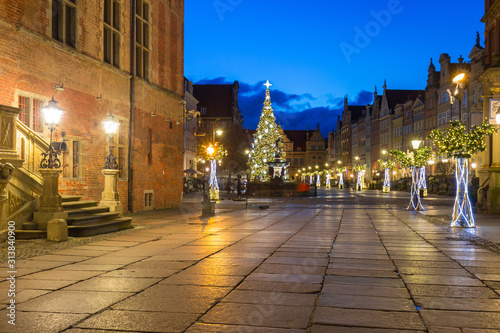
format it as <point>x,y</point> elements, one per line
<point>266,141</point>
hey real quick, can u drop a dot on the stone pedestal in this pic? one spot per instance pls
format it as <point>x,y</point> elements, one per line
<point>57,230</point>
<point>110,197</point>
<point>207,206</point>
<point>50,201</point>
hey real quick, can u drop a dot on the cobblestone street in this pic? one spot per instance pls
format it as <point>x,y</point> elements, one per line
<point>341,262</point>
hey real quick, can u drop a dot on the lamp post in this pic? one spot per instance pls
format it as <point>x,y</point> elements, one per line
<point>110,127</point>
<point>110,197</point>
<point>359,183</point>
<point>386,188</point>
<point>211,152</point>
<point>341,175</point>
<point>50,215</point>
<point>52,115</point>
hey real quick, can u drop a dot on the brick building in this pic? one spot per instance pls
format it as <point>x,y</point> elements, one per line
<point>489,198</point>
<point>97,57</point>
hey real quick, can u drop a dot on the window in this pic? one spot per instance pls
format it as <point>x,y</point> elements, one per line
<point>466,95</point>
<point>301,161</point>
<point>313,147</point>
<point>64,21</point>
<point>148,200</point>
<point>76,159</point>
<point>30,114</point>
<point>112,32</point>
<point>150,154</point>
<point>474,96</point>
<point>142,36</point>
<point>480,94</point>
<point>118,147</point>
<point>203,110</point>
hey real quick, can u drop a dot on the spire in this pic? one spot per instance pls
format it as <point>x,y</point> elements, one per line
<point>376,89</point>
<point>432,68</point>
<point>385,84</point>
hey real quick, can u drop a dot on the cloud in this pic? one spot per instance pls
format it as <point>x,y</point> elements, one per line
<point>293,111</point>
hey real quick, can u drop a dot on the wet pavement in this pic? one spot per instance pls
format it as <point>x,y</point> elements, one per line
<point>341,262</point>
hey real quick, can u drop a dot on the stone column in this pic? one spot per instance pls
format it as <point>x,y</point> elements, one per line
<point>50,201</point>
<point>110,197</point>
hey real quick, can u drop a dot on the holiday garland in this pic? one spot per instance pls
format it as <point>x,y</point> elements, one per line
<point>417,158</point>
<point>389,164</point>
<point>456,142</point>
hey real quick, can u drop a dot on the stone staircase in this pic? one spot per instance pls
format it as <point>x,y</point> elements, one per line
<point>85,218</point>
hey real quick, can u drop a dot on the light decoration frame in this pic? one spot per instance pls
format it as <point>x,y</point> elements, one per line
<point>413,160</point>
<point>461,145</point>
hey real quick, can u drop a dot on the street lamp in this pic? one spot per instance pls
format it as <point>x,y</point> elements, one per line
<point>211,152</point>
<point>52,115</point>
<point>416,143</point>
<point>111,127</point>
<point>359,175</point>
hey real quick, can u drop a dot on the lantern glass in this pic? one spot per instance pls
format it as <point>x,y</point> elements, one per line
<point>52,113</point>
<point>416,143</point>
<point>110,125</point>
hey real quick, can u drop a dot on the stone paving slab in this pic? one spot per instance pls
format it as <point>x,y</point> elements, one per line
<point>368,318</point>
<point>366,302</point>
<point>459,304</point>
<point>451,291</point>
<point>466,319</point>
<point>216,328</point>
<point>113,284</point>
<point>37,322</point>
<point>364,290</point>
<point>139,321</point>
<point>166,304</point>
<point>291,287</point>
<point>277,298</point>
<point>344,329</point>
<point>73,301</point>
<point>269,315</point>
<point>179,291</point>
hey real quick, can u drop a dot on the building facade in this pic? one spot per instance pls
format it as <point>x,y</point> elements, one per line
<point>97,58</point>
<point>489,174</point>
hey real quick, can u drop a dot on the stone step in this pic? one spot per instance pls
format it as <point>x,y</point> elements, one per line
<point>86,211</point>
<point>69,198</point>
<point>91,218</point>
<point>79,204</point>
<point>100,227</point>
<point>30,234</point>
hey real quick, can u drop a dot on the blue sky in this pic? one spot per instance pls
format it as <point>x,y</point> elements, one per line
<point>316,52</point>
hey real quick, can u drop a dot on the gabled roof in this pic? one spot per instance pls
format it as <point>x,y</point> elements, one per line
<point>356,112</point>
<point>217,98</point>
<point>400,96</point>
<point>298,137</point>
